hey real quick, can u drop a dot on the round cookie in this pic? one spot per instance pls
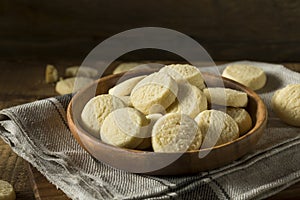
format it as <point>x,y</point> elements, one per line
<point>147,141</point>
<point>156,89</point>
<point>69,85</point>
<point>81,71</point>
<point>242,118</point>
<point>124,88</point>
<point>286,104</point>
<point>248,75</point>
<point>190,101</point>
<point>124,127</point>
<point>51,74</point>
<point>217,127</point>
<point>96,109</point>
<point>6,191</point>
<point>175,132</point>
<point>123,67</point>
<point>185,72</point>
<point>226,97</point>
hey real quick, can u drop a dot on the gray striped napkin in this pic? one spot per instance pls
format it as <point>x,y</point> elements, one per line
<point>39,133</point>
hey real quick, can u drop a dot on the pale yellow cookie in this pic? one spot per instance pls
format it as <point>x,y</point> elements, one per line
<point>157,89</point>
<point>190,100</point>
<point>146,144</point>
<point>175,132</point>
<point>217,127</point>
<point>51,74</point>
<point>81,71</point>
<point>242,118</point>
<point>97,109</point>
<point>124,88</point>
<point>248,75</point>
<point>71,71</point>
<point>226,97</point>
<point>6,191</point>
<point>123,67</point>
<point>185,72</point>
<point>124,127</point>
<point>69,85</point>
<point>286,104</point>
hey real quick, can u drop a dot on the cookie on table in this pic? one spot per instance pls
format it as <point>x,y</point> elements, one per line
<point>286,104</point>
<point>217,127</point>
<point>156,90</point>
<point>248,75</point>
<point>123,67</point>
<point>176,132</point>
<point>185,72</point>
<point>226,97</point>
<point>81,71</point>
<point>124,127</point>
<point>97,109</point>
<point>51,74</point>
<point>7,191</point>
<point>190,101</point>
<point>69,85</point>
<point>241,117</point>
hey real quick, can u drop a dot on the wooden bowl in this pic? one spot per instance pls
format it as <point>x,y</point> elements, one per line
<point>154,163</point>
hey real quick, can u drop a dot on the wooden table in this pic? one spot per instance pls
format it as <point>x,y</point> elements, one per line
<point>22,82</point>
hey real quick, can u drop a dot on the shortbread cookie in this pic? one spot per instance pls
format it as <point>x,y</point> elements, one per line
<point>124,88</point>
<point>123,67</point>
<point>185,72</point>
<point>226,97</point>
<point>6,191</point>
<point>51,74</point>
<point>176,132</point>
<point>81,71</point>
<point>242,118</point>
<point>155,89</point>
<point>69,85</point>
<point>124,127</point>
<point>97,109</point>
<point>217,127</point>
<point>286,104</point>
<point>190,100</point>
<point>248,75</point>
<point>146,144</point>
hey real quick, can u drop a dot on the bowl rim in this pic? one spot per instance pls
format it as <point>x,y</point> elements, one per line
<point>260,122</point>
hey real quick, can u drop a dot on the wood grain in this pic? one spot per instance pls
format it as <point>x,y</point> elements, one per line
<point>229,30</point>
<point>42,189</point>
<point>14,92</point>
<point>13,169</point>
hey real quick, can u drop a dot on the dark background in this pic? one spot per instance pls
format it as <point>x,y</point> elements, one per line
<point>263,30</point>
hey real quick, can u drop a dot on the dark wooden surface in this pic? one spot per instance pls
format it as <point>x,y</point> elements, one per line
<point>23,81</point>
<point>229,30</point>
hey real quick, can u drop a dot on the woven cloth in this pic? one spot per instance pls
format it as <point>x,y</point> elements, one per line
<point>38,132</point>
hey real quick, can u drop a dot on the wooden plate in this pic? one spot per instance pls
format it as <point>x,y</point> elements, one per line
<point>154,163</point>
